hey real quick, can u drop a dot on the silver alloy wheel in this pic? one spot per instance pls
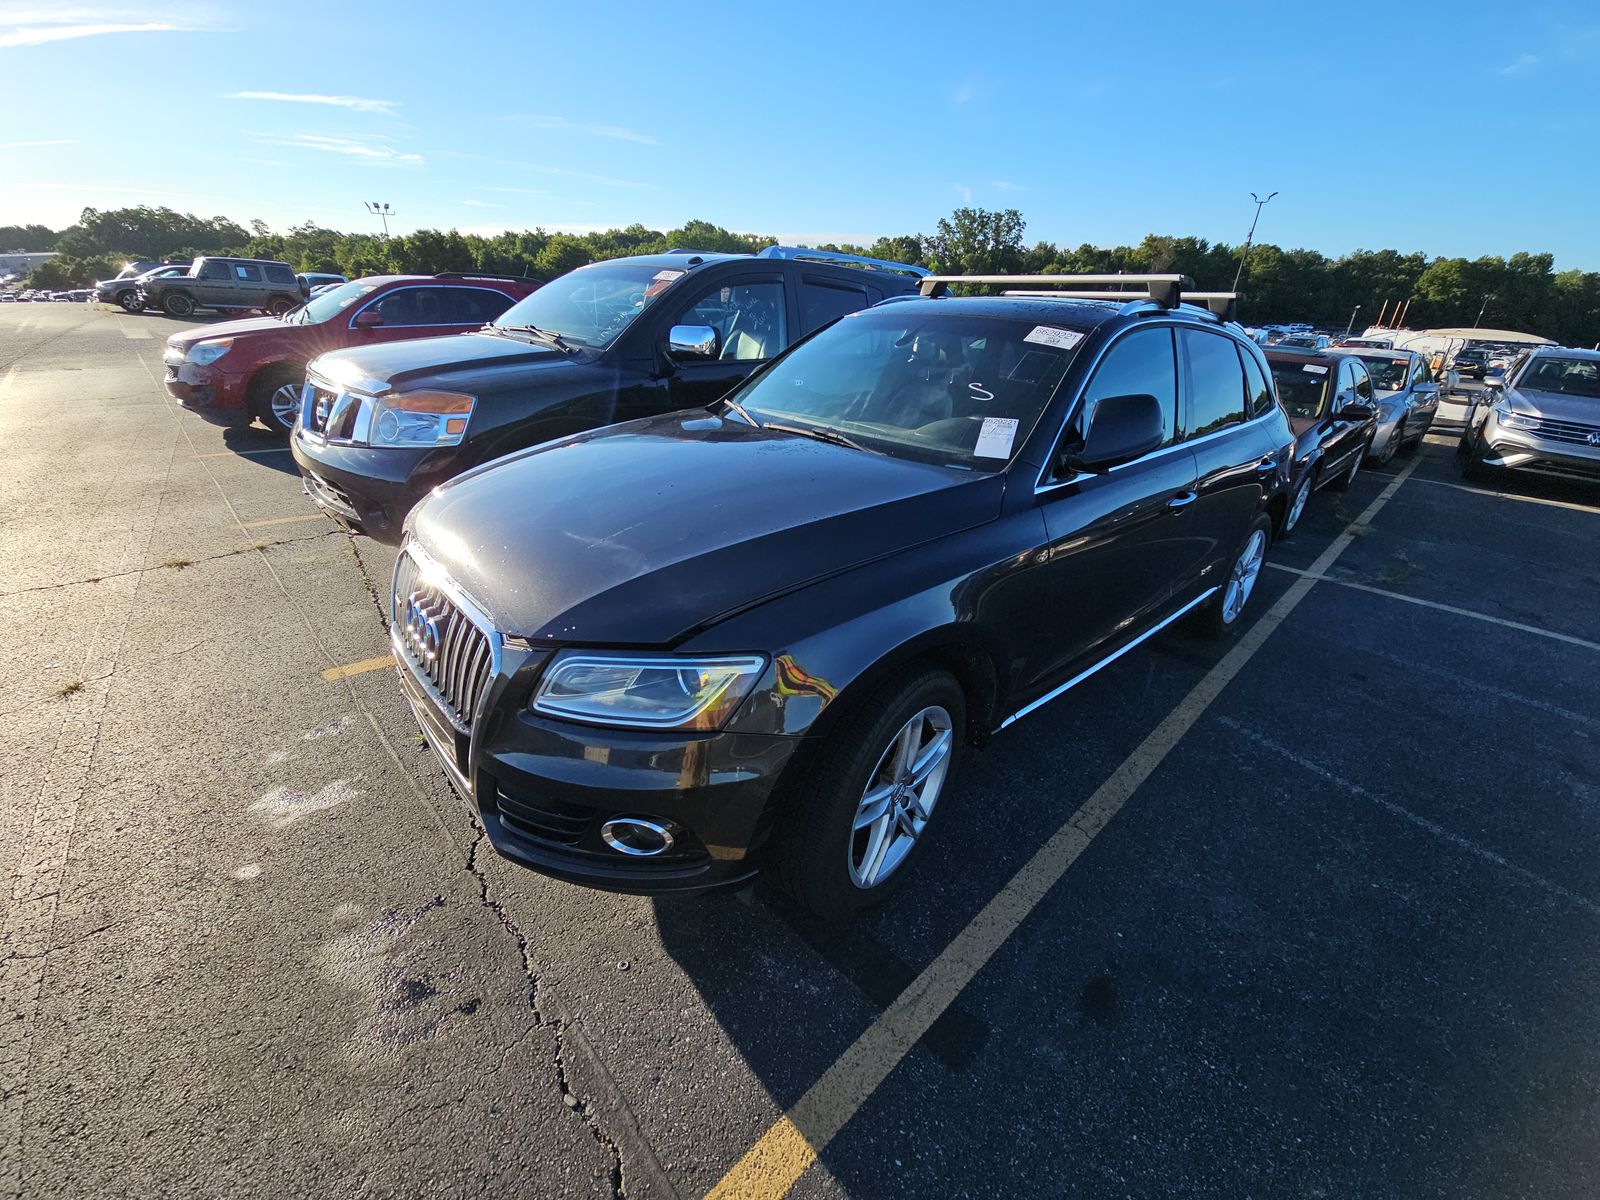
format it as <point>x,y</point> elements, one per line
<point>286,404</point>
<point>1242,579</point>
<point>1298,507</point>
<point>900,796</point>
<point>130,302</point>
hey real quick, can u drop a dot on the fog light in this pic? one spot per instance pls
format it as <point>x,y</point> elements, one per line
<point>637,837</point>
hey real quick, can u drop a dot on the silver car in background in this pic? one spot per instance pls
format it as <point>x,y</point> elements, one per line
<point>1545,418</point>
<point>1407,398</point>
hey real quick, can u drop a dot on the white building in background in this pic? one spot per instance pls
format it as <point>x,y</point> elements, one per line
<point>21,262</point>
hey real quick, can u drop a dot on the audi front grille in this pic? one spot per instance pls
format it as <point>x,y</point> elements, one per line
<point>442,646</point>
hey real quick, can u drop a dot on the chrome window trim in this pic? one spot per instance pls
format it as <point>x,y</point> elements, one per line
<point>1107,660</point>
<point>370,300</point>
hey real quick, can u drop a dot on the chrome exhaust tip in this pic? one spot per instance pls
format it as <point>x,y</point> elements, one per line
<point>637,837</point>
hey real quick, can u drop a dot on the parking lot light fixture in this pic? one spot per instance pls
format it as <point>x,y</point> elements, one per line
<point>1250,237</point>
<point>1352,324</point>
<point>381,209</point>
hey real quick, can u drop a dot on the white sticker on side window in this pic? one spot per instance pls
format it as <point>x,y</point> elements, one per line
<point>1314,369</point>
<point>995,438</point>
<point>1049,335</point>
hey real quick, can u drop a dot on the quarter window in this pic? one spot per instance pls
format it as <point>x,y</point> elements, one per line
<point>748,318</point>
<point>1216,382</point>
<point>1141,364</point>
<point>824,302</point>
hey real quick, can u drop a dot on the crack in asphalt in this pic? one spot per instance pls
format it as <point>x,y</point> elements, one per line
<point>378,601</point>
<point>557,1025</point>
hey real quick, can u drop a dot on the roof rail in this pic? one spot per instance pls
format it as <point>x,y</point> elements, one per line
<point>803,254</point>
<point>1163,289</point>
<point>485,275</point>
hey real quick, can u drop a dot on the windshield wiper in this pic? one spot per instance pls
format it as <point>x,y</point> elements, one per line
<point>542,334</point>
<point>740,409</point>
<point>832,436</point>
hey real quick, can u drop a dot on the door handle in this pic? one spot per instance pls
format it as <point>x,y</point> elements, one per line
<point>1267,465</point>
<point>1182,501</point>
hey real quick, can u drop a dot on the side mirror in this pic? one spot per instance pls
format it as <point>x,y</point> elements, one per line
<point>692,341</point>
<point>1355,410</point>
<point>368,319</point>
<point>1123,428</point>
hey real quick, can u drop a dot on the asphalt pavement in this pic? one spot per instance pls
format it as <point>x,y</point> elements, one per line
<point>1336,936</point>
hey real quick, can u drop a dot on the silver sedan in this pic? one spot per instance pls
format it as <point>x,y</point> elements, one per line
<point>1407,398</point>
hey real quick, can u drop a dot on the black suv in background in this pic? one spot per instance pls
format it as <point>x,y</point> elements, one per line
<point>657,655</point>
<point>381,426</point>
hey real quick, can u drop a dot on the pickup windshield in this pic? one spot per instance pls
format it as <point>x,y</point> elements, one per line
<point>592,305</point>
<point>956,390</point>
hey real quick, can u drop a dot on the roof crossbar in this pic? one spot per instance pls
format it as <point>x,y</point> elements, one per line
<point>1165,290</point>
<point>806,254</point>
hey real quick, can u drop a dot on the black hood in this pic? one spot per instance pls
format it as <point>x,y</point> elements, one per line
<point>393,364</point>
<point>643,532</point>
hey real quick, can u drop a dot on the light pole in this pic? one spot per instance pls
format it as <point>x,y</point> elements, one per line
<point>1250,237</point>
<point>1481,309</point>
<point>1352,324</point>
<point>381,209</point>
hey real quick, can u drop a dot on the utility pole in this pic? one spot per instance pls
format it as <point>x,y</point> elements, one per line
<point>380,209</point>
<point>1481,309</point>
<point>1352,324</point>
<point>1250,237</point>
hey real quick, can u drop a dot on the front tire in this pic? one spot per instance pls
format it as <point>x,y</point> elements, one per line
<point>130,302</point>
<point>1221,614</point>
<point>176,304</point>
<point>275,397</point>
<point>868,798</point>
<point>1392,445</point>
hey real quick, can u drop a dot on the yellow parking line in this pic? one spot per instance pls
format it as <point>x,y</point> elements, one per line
<point>358,668</point>
<point>244,453</point>
<point>1520,626</point>
<point>316,516</point>
<point>775,1163</point>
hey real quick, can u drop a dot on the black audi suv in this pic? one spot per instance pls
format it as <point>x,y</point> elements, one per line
<point>660,655</point>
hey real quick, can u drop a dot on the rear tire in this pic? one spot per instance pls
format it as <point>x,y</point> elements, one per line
<point>1222,612</point>
<point>1297,505</point>
<point>279,305</point>
<point>130,301</point>
<point>862,813</point>
<point>1342,484</point>
<point>176,304</point>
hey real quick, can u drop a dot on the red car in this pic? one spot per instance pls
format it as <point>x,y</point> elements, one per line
<point>238,370</point>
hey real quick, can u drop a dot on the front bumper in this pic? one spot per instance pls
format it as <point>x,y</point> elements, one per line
<point>205,390</point>
<point>368,490</point>
<point>542,789</point>
<point>1522,450</point>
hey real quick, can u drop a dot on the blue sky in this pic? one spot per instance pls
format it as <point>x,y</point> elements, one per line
<point>1452,128</point>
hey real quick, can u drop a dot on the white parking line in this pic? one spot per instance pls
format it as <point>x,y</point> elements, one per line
<point>1461,487</point>
<point>1405,814</point>
<point>135,334</point>
<point>1449,608</point>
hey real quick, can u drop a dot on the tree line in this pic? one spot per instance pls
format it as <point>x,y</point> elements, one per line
<point>1522,292</point>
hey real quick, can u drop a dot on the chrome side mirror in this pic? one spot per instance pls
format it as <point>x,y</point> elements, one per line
<point>692,341</point>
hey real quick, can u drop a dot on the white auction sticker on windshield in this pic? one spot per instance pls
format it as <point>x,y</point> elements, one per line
<point>665,276</point>
<point>1049,335</point>
<point>995,438</point>
<point>1314,369</point>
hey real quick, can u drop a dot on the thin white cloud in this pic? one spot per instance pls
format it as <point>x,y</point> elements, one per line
<point>1005,185</point>
<point>355,103</point>
<point>963,191</point>
<point>38,35</point>
<point>98,187</point>
<point>521,191</point>
<point>481,204</point>
<point>618,133</point>
<point>375,151</point>
<point>41,142</point>
<point>1520,65</point>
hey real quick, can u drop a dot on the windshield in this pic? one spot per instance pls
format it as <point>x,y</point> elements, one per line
<point>1471,356</point>
<point>1388,374</point>
<point>331,304</point>
<point>957,390</point>
<point>1302,387</point>
<point>592,305</point>
<point>1564,376</point>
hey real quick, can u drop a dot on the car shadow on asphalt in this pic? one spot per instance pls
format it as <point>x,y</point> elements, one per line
<point>267,448</point>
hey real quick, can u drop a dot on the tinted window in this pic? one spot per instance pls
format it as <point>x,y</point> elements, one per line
<point>476,306</point>
<point>416,306</point>
<point>1216,382</point>
<point>1363,383</point>
<point>248,272</point>
<point>823,302</point>
<point>214,270</point>
<point>1141,364</point>
<point>748,318</point>
<point>1259,390</point>
<point>1302,387</point>
<point>279,274</point>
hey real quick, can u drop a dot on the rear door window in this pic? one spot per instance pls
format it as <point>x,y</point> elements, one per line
<point>1216,382</point>
<point>821,302</point>
<point>1362,382</point>
<point>277,273</point>
<point>475,306</point>
<point>1259,392</point>
<point>247,272</point>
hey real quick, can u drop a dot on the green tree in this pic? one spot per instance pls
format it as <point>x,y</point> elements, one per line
<point>975,241</point>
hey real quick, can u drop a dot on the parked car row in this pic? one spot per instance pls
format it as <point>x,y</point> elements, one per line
<point>711,563</point>
<point>1543,417</point>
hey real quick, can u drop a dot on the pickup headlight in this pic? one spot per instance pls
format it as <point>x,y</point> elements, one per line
<point>647,691</point>
<point>1511,419</point>
<point>203,354</point>
<point>422,418</point>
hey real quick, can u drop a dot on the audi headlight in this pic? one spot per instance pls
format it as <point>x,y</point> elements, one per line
<point>647,691</point>
<point>1512,419</point>
<point>203,354</point>
<point>424,418</point>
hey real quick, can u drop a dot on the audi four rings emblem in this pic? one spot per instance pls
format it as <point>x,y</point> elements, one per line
<point>422,625</point>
